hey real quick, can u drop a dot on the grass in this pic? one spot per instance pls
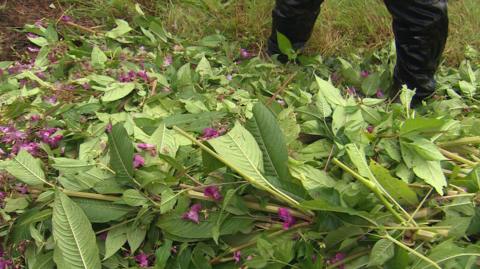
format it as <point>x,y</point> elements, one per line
<point>344,26</point>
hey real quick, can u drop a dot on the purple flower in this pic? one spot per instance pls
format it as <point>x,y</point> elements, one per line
<point>286,217</point>
<point>11,135</point>
<point>3,195</point>
<point>46,135</point>
<point>31,35</point>
<point>108,128</point>
<point>167,61</point>
<point>86,86</point>
<point>21,188</point>
<point>229,77</point>
<point>213,192</point>
<point>245,54</point>
<point>41,75</point>
<point>337,258</point>
<point>281,102</point>
<point>39,23</point>
<point>174,250</point>
<point>143,75</point>
<point>351,91</point>
<point>31,147</point>
<point>364,73</point>
<point>370,129</point>
<point>33,49</point>
<point>379,94</point>
<point>50,99</point>
<point>209,133</point>
<point>5,263</point>
<point>66,18</point>
<point>148,147</point>
<point>192,214</point>
<point>142,260</point>
<point>128,77</point>
<point>103,236</point>
<point>138,161</point>
<point>335,77</point>
<point>237,255</point>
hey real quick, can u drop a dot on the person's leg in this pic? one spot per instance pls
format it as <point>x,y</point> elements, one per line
<point>421,29</point>
<point>295,19</point>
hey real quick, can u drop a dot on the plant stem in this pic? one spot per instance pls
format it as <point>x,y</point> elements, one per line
<point>414,252</point>
<point>252,242</point>
<point>373,188</point>
<point>457,157</point>
<point>89,195</point>
<point>348,258</point>
<point>461,141</point>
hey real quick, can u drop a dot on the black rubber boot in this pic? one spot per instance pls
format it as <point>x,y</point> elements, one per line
<point>295,19</point>
<point>421,29</point>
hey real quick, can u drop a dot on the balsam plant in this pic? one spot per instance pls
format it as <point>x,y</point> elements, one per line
<point>131,148</point>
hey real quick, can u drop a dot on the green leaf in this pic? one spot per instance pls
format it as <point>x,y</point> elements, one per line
<point>425,149</point>
<point>431,172</point>
<point>322,205</point>
<point>174,224</point>
<point>73,234</point>
<point>99,211</point>
<point>164,140</point>
<point>26,168</point>
<point>133,197</point>
<point>312,179</point>
<point>421,125</point>
<point>43,261</point>
<point>239,150</point>
<point>71,166</point>
<point>285,45</point>
<point>116,238</point>
<point>98,57</point>
<point>121,29</point>
<point>371,84</point>
<point>169,199</point>
<point>204,68</point>
<point>135,237</point>
<point>382,251</point>
<point>264,128</point>
<point>331,94</point>
<point>121,153</point>
<point>14,204</point>
<point>398,189</point>
<point>357,157</point>
<point>162,254</point>
<point>117,91</point>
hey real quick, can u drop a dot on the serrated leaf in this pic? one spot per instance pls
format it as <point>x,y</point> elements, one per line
<point>425,149</point>
<point>116,238</point>
<point>162,254</point>
<point>357,157</point>
<point>121,29</point>
<point>168,200</point>
<point>121,153</point>
<point>398,189</point>
<point>164,140</point>
<point>99,211</point>
<point>135,237</point>
<point>239,150</point>
<point>133,197</point>
<point>331,94</point>
<point>98,57</point>
<point>382,251</point>
<point>264,128</point>
<point>117,91</point>
<point>73,234</point>
<point>204,68</point>
<point>26,168</point>
<point>431,172</point>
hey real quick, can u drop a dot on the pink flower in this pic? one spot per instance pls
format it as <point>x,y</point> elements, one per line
<point>86,86</point>
<point>33,49</point>
<point>143,75</point>
<point>209,133</point>
<point>3,195</point>
<point>21,188</point>
<point>108,128</point>
<point>5,263</point>
<point>31,35</point>
<point>41,75</point>
<point>142,260</point>
<point>103,236</point>
<point>364,73</point>
<point>50,99</point>
<point>237,256</point>
<point>379,94</point>
<point>337,258</point>
<point>173,250</point>
<point>229,77</point>
<point>281,102</point>
<point>39,23</point>
<point>213,192</point>
<point>245,54</point>
<point>351,91</point>
<point>286,217</point>
<point>148,147</point>
<point>31,147</point>
<point>192,214</point>
<point>66,18</point>
<point>370,129</point>
<point>138,161</point>
<point>167,61</point>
